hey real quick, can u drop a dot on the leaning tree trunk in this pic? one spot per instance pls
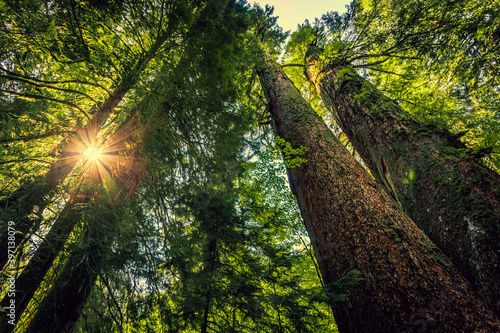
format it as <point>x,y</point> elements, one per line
<point>32,275</point>
<point>60,309</point>
<point>453,198</point>
<point>21,204</point>
<point>62,306</point>
<point>409,286</point>
<point>30,278</point>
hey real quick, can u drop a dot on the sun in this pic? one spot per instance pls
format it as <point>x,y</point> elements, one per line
<point>103,157</point>
<point>92,153</point>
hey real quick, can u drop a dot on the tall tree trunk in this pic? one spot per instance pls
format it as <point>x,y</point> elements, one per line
<point>212,252</point>
<point>61,307</point>
<point>409,286</point>
<point>25,199</point>
<point>30,278</point>
<point>453,198</point>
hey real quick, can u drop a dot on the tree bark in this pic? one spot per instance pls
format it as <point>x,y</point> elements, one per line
<point>62,306</point>
<point>453,198</point>
<point>409,286</point>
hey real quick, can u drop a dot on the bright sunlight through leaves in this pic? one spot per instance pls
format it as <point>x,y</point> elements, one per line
<point>92,153</point>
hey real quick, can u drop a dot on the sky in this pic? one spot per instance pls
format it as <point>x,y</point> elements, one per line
<point>294,12</point>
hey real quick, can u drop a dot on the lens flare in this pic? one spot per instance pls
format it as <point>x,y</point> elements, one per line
<point>92,153</point>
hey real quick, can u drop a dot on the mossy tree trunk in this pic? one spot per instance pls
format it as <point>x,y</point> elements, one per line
<point>409,286</point>
<point>453,198</point>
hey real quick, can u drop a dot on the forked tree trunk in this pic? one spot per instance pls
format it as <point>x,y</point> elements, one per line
<point>409,286</point>
<point>453,198</point>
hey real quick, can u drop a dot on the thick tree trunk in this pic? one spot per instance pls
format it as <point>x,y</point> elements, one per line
<point>62,306</point>
<point>453,198</point>
<point>409,286</point>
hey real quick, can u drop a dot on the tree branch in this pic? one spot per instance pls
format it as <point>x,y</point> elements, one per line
<point>381,70</point>
<point>48,98</point>
<point>24,160</point>
<point>25,77</point>
<point>35,137</point>
<point>49,87</point>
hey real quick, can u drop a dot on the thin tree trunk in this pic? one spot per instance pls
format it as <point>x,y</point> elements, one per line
<point>409,286</point>
<point>453,198</point>
<point>212,252</point>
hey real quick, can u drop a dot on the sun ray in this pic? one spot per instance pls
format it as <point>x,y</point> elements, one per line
<point>106,156</point>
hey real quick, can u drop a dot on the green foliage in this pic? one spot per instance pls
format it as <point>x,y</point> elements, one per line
<point>434,58</point>
<point>291,155</point>
<point>229,249</point>
<point>265,29</point>
<point>212,239</point>
<point>203,242</point>
<point>411,177</point>
<point>441,53</point>
<point>296,48</point>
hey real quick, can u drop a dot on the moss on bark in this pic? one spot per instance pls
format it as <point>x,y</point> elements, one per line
<point>449,195</point>
<point>353,224</point>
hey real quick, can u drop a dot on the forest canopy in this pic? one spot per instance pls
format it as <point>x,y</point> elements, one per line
<point>188,166</point>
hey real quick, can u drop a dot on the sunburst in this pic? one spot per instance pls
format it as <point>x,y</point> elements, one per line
<point>107,158</point>
<point>97,160</point>
<point>93,153</point>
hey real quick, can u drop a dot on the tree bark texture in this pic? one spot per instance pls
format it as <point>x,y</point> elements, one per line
<point>62,306</point>
<point>453,198</point>
<point>409,286</point>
